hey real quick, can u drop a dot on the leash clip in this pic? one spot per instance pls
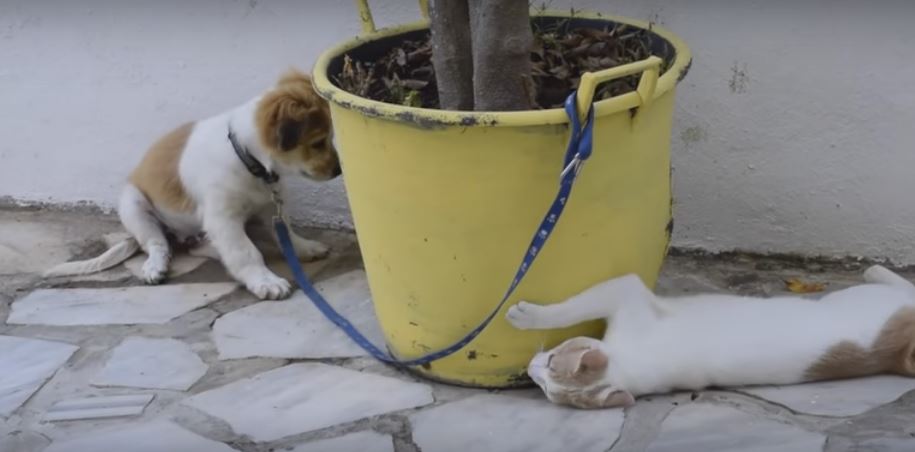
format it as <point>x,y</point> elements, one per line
<point>575,164</point>
<point>277,203</point>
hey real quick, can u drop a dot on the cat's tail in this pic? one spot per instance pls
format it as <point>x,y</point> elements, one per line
<point>119,252</point>
<point>879,274</point>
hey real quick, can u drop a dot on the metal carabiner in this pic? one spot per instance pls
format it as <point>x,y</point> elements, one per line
<point>574,164</point>
<point>277,202</point>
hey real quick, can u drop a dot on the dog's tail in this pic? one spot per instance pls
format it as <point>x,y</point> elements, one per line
<point>119,252</point>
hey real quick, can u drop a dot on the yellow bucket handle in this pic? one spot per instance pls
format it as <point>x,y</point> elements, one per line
<point>649,67</point>
<point>368,23</point>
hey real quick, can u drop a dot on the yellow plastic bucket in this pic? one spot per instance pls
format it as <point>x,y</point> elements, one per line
<point>445,203</point>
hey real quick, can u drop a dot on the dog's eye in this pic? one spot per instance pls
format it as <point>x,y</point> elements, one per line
<point>319,144</point>
<point>549,362</point>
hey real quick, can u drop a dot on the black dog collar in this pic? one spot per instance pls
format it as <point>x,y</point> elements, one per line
<point>256,168</point>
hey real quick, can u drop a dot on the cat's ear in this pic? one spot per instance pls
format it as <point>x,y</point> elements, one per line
<point>616,398</point>
<point>592,360</point>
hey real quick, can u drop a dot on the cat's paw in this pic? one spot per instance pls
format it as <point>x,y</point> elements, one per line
<point>525,316</point>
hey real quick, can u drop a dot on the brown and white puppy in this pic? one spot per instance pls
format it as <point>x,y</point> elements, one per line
<point>194,181</point>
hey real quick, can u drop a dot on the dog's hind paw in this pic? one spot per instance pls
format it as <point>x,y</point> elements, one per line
<point>310,250</point>
<point>154,270</point>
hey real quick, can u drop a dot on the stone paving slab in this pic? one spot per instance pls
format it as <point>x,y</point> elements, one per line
<point>98,407</point>
<point>289,381</point>
<point>886,445</point>
<point>514,423</point>
<point>295,328</point>
<point>302,397</point>
<point>367,441</point>
<point>837,398</point>
<point>25,365</point>
<point>33,246</point>
<point>153,363</point>
<point>150,437</point>
<point>23,441</point>
<point>114,306</point>
<point>709,428</point>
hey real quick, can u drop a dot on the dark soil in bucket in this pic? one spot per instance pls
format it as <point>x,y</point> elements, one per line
<point>563,49</point>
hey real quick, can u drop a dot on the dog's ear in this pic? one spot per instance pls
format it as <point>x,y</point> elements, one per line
<point>288,134</point>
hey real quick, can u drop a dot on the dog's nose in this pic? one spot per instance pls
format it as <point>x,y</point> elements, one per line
<point>338,170</point>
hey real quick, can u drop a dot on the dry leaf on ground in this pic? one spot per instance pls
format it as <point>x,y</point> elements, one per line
<point>795,285</point>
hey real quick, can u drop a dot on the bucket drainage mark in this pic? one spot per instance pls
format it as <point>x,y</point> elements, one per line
<point>472,355</point>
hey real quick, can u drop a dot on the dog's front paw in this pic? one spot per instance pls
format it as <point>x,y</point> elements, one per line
<point>268,286</point>
<point>310,250</point>
<point>524,315</point>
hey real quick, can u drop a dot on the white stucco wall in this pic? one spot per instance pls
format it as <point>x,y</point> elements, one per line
<point>795,129</point>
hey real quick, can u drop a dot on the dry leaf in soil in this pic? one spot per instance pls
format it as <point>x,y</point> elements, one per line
<point>795,285</point>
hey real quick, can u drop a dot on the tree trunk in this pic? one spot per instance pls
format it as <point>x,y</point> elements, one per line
<point>502,40</point>
<point>452,57</point>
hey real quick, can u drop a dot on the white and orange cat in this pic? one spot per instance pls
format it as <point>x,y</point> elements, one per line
<point>656,344</point>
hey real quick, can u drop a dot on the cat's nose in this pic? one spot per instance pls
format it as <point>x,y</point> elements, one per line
<point>536,374</point>
<point>539,360</point>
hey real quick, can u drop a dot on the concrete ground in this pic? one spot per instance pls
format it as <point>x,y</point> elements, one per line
<point>105,363</point>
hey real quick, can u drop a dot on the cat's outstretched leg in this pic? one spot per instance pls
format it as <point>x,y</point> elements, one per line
<point>878,274</point>
<point>601,301</point>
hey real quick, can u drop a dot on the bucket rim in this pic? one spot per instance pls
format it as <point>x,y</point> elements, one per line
<point>432,118</point>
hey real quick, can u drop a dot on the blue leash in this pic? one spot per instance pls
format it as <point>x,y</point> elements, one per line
<point>578,151</point>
